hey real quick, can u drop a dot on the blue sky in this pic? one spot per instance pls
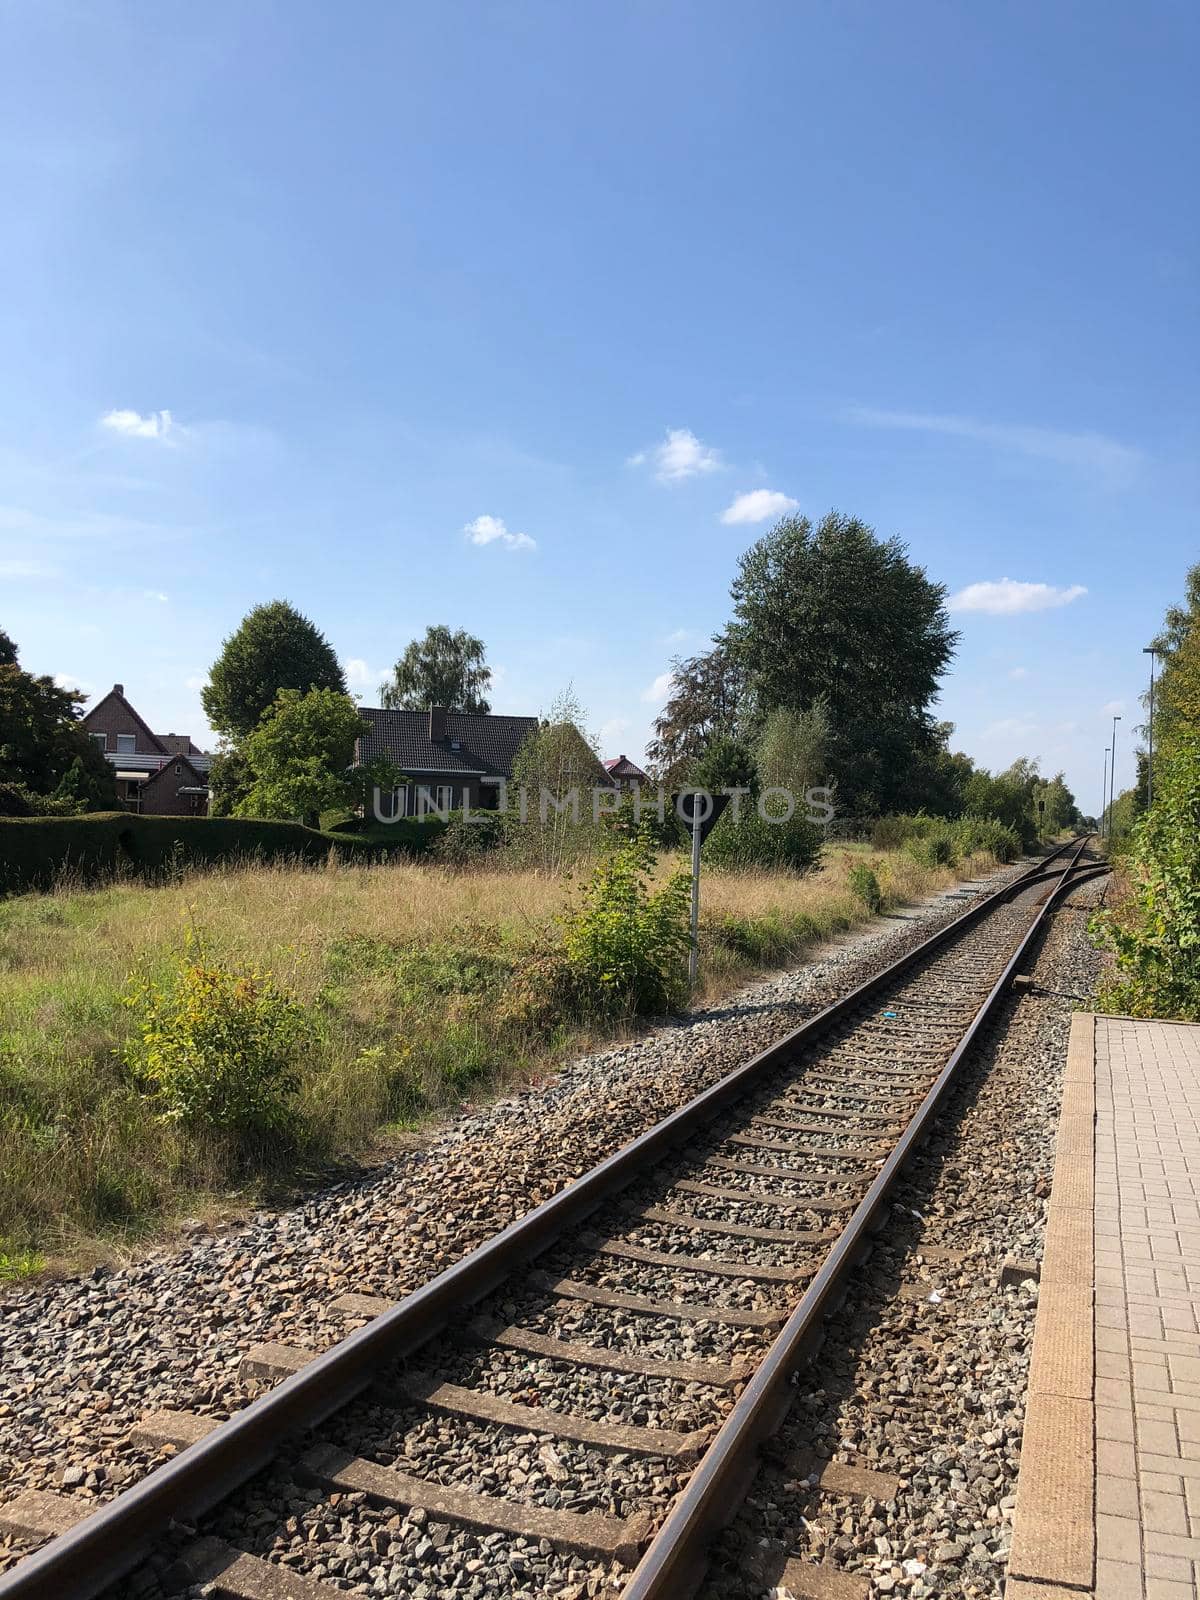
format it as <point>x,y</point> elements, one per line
<point>293,295</point>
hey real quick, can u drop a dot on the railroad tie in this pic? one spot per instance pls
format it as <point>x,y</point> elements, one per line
<point>849,1156</point>
<point>572,1353</point>
<point>480,1405</point>
<point>610,1538</point>
<point>737,1230</point>
<point>716,1191</point>
<point>716,1266</point>
<point>238,1576</point>
<point>829,1196</point>
<point>682,1311</point>
<point>43,1513</point>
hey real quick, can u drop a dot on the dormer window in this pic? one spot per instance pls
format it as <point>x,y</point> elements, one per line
<point>456,744</point>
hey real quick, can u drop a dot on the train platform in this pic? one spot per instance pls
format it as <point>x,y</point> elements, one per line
<point>1108,1501</point>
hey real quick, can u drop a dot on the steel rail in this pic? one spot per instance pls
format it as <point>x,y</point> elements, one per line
<point>112,1541</point>
<point>676,1560</point>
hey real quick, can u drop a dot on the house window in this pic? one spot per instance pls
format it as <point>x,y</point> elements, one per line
<point>435,802</point>
<point>126,743</point>
<point>179,769</point>
<point>101,739</point>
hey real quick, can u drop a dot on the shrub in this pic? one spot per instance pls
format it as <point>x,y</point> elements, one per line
<point>469,839</point>
<point>626,945</point>
<point>219,1049</point>
<point>1155,929</point>
<point>750,840</point>
<point>864,886</point>
<point>35,851</point>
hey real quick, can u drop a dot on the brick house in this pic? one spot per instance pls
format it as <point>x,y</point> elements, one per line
<point>625,773</point>
<point>158,774</point>
<point>451,755</point>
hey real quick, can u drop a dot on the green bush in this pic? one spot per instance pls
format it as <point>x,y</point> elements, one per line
<point>938,842</point>
<point>36,851</point>
<point>750,840</point>
<point>466,840</point>
<point>864,886</point>
<point>1154,930</point>
<point>219,1049</point>
<point>627,945</point>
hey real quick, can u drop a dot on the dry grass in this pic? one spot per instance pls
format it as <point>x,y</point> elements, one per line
<point>421,984</point>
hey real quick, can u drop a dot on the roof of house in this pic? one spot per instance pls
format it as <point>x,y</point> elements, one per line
<point>166,744</point>
<point>183,760</point>
<point>622,767</point>
<point>487,744</point>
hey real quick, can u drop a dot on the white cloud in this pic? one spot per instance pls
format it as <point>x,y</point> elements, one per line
<point>66,680</point>
<point>1089,452</point>
<point>1019,672</point>
<point>658,691</point>
<point>196,682</point>
<point>155,594</point>
<point>1008,597</point>
<point>677,636</point>
<point>492,530</point>
<point>1114,708</point>
<point>26,569</point>
<point>1010,728</point>
<point>679,456</point>
<point>614,729</point>
<point>758,505</point>
<point>154,425</point>
<point>358,674</point>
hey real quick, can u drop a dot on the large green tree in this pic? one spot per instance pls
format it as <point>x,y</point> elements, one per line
<point>274,648</point>
<point>706,701</point>
<point>298,757</point>
<point>44,752</point>
<point>835,614</point>
<point>447,667</point>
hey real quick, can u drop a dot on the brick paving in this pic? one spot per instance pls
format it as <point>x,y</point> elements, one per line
<point>1147,1256</point>
<point>1109,1496</point>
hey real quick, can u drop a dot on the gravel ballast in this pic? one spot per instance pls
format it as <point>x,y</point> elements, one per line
<point>924,1368</point>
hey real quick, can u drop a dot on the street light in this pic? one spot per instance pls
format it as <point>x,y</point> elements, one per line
<point>1151,651</point>
<point>1112,777</point>
<point>1104,791</point>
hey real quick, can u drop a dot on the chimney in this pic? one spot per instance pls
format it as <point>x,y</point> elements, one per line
<point>118,688</point>
<point>437,724</point>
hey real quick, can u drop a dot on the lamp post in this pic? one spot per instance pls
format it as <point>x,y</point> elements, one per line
<point>1112,777</point>
<point>1104,792</point>
<point>1151,651</point>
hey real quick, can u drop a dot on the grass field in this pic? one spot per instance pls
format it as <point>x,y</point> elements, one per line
<point>420,987</point>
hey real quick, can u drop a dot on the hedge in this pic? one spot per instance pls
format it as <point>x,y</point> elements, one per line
<point>35,851</point>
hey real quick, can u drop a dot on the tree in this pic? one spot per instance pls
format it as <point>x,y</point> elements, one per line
<point>274,648</point>
<point>299,755</point>
<point>1154,929</point>
<point>445,668</point>
<point>8,650</point>
<point>835,614</point>
<point>706,701</point>
<point>41,742</point>
<point>551,822</point>
<point>791,749</point>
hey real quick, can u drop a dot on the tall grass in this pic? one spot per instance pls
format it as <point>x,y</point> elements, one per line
<point>422,986</point>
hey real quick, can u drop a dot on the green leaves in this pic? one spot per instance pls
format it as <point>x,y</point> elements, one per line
<point>627,943</point>
<point>274,648</point>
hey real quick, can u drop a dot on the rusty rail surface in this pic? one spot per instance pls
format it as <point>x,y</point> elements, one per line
<point>112,1541</point>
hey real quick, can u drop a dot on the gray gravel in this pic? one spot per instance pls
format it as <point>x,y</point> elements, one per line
<point>83,1359</point>
<point>932,1388</point>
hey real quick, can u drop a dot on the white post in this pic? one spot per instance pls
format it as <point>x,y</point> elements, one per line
<point>694,952</point>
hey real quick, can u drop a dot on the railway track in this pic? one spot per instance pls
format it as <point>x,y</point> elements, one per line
<point>636,1336</point>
